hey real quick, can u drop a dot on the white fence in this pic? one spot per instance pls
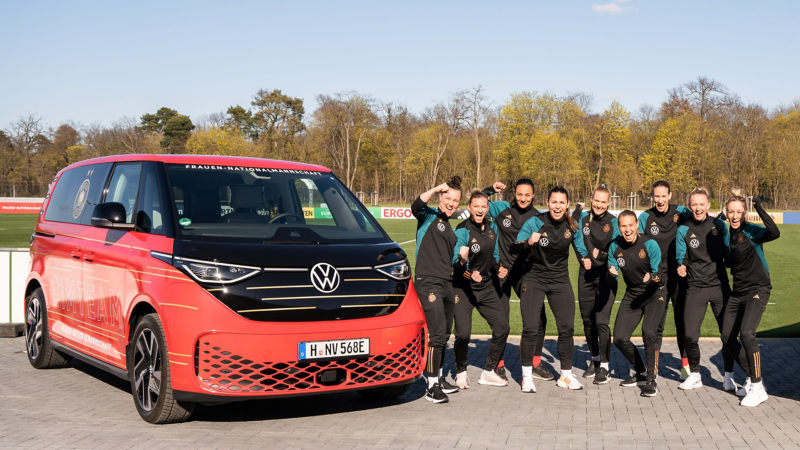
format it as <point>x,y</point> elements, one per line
<point>15,264</point>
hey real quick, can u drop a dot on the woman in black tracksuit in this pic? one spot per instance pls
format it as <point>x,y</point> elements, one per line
<point>476,276</point>
<point>750,296</point>
<point>701,249</point>
<point>509,218</point>
<point>433,278</point>
<point>548,237</point>
<point>596,291</point>
<point>638,259</point>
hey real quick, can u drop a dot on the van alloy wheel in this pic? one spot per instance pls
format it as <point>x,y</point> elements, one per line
<point>147,370</point>
<point>33,328</point>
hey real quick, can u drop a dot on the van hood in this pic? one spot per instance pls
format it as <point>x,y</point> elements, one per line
<point>291,255</point>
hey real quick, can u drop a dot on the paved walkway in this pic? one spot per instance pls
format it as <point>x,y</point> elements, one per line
<point>82,407</point>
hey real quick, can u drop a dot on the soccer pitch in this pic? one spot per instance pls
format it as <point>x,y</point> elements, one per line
<point>782,318</point>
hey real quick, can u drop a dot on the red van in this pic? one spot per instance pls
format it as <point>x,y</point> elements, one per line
<point>209,279</point>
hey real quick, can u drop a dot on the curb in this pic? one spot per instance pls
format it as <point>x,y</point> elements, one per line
<point>11,330</point>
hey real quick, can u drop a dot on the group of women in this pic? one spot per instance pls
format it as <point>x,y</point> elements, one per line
<point>668,253</point>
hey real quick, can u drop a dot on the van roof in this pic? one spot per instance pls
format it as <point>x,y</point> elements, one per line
<point>210,160</point>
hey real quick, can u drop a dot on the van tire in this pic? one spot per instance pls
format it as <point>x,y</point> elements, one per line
<point>384,393</point>
<point>165,409</point>
<point>41,353</point>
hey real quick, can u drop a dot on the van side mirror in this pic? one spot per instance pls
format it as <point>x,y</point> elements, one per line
<point>110,215</point>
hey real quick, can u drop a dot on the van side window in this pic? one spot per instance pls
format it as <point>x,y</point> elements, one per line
<point>76,194</point>
<point>151,214</point>
<point>124,187</point>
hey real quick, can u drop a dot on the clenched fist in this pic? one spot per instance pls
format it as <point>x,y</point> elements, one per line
<point>587,263</point>
<point>682,270</point>
<point>463,252</point>
<point>646,277</point>
<point>595,253</point>
<point>534,238</point>
<point>476,276</point>
<point>612,270</point>
<point>502,272</point>
<point>498,186</point>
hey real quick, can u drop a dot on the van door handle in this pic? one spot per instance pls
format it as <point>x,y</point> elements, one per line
<point>88,256</point>
<point>77,253</point>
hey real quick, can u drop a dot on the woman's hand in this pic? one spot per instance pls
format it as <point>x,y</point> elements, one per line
<point>498,186</point>
<point>502,273</point>
<point>587,263</point>
<point>682,270</point>
<point>534,238</point>
<point>613,270</point>
<point>646,277</point>
<point>476,276</point>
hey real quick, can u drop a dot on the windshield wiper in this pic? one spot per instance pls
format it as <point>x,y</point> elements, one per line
<point>292,242</point>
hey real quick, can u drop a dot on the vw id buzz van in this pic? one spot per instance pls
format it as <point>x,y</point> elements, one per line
<point>210,279</point>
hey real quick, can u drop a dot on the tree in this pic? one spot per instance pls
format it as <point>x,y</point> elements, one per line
<point>24,134</point>
<point>155,123</point>
<point>243,120</point>
<point>477,109</point>
<point>176,132</point>
<point>277,117</point>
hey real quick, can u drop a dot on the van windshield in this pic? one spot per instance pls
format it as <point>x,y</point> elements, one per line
<point>271,206</point>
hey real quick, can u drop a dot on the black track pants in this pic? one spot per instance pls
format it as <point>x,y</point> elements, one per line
<point>676,291</point>
<point>562,302</point>
<point>436,297</point>
<point>596,295</point>
<point>742,315</point>
<point>647,308</point>
<point>514,281</point>
<point>490,307</point>
<point>697,300</point>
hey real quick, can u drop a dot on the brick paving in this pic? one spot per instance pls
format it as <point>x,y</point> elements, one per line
<point>82,407</point>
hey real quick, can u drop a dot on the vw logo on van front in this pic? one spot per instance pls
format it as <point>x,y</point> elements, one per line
<point>325,277</point>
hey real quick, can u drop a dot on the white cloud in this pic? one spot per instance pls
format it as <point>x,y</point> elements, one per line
<point>612,8</point>
<point>615,95</point>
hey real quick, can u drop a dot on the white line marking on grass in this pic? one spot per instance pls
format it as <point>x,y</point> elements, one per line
<point>408,242</point>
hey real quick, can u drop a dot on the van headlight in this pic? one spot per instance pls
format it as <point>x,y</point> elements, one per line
<point>214,272</point>
<point>398,270</point>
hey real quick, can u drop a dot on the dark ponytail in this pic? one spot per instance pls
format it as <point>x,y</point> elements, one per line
<point>454,182</point>
<point>573,224</point>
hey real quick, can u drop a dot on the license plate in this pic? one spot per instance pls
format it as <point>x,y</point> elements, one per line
<point>344,348</point>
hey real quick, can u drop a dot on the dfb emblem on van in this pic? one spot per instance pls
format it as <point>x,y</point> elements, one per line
<point>80,199</point>
<point>325,277</point>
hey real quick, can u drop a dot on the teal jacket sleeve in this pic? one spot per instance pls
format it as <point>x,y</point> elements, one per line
<point>726,237</point>
<point>685,212</point>
<point>495,208</point>
<point>680,244</point>
<point>615,224</point>
<point>532,225</point>
<point>654,252</point>
<point>496,243</point>
<point>577,243</point>
<point>642,221</point>
<point>462,240</point>
<point>612,260</point>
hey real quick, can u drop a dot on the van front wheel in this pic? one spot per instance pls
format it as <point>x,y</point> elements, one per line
<point>41,354</point>
<point>148,370</point>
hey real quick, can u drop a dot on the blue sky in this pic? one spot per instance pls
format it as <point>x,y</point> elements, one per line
<point>98,61</point>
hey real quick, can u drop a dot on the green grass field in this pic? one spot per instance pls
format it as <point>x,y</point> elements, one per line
<point>782,318</point>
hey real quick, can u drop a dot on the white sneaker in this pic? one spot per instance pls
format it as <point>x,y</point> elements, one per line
<point>527,385</point>
<point>570,382</point>
<point>692,382</point>
<point>491,378</point>
<point>729,384</point>
<point>756,396</point>
<point>462,380</point>
<point>744,389</point>
<point>685,371</point>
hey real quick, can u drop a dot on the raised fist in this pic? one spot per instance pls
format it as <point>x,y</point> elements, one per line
<point>463,252</point>
<point>442,188</point>
<point>498,186</point>
<point>534,238</point>
<point>682,270</point>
